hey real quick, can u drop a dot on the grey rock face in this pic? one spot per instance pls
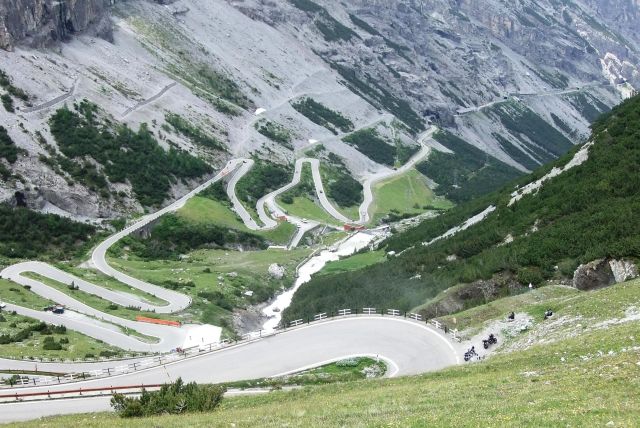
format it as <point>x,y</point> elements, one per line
<point>623,270</point>
<point>39,22</point>
<point>595,274</point>
<point>603,272</point>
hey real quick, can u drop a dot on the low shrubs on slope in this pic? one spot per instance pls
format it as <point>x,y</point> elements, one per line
<point>175,398</point>
<point>173,236</point>
<point>466,173</point>
<point>263,178</point>
<point>371,144</point>
<point>31,235</point>
<point>124,155</point>
<point>323,116</point>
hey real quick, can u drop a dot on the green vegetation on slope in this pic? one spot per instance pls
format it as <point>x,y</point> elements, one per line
<point>96,302</point>
<point>192,132</point>
<point>588,212</point>
<point>348,370</point>
<point>589,106</point>
<point>8,151</point>
<point>23,337</point>
<point>323,116</point>
<point>355,262</point>
<point>26,234</point>
<point>403,196</point>
<point>378,148</point>
<point>7,103</point>
<point>342,189</point>
<point>467,173</point>
<point>206,210</point>
<point>263,178</point>
<point>125,155</point>
<point>275,132</point>
<point>542,139</point>
<point>332,30</point>
<point>5,82</point>
<point>345,190</point>
<point>517,153</point>
<point>219,281</point>
<point>369,89</point>
<point>301,201</point>
<point>371,144</point>
<point>172,236</point>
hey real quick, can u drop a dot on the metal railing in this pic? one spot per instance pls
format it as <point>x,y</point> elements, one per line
<point>181,354</point>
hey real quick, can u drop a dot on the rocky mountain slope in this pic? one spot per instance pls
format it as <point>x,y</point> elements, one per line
<point>520,80</point>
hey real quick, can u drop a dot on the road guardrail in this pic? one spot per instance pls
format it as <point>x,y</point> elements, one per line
<point>181,354</point>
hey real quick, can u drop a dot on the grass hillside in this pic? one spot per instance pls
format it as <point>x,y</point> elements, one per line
<point>584,375</point>
<point>588,212</point>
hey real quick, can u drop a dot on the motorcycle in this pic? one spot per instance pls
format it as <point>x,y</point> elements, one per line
<point>492,340</point>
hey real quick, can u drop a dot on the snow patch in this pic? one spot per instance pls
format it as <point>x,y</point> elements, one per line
<point>580,157</point>
<point>467,224</point>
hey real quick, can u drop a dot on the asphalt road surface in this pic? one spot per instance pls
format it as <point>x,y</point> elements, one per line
<point>407,347</point>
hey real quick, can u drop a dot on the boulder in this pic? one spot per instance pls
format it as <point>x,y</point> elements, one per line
<point>623,270</point>
<point>276,271</point>
<point>595,274</point>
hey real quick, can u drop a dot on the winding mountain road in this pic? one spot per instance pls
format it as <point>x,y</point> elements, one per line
<point>269,201</point>
<point>406,346</point>
<point>54,101</point>
<point>322,342</point>
<point>467,110</point>
<point>109,328</point>
<point>149,100</point>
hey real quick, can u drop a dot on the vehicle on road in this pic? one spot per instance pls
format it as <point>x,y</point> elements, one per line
<point>56,309</point>
<point>3,305</point>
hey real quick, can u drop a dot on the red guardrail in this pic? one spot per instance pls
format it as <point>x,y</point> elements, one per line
<point>157,321</point>
<point>78,391</point>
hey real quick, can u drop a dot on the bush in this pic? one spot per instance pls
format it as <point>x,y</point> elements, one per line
<point>176,398</point>
<point>216,192</point>
<point>59,329</point>
<point>52,346</point>
<point>345,190</point>
<point>529,275</point>
<point>275,132</point>
<point>7,102</point>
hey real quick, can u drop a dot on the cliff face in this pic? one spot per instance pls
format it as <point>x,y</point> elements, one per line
<point>39,22</point>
